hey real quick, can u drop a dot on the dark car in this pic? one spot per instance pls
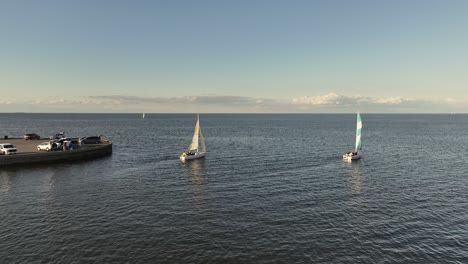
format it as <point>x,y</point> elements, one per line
<point>90,140</point>
<point>31,136</point>
<point>59,135</point>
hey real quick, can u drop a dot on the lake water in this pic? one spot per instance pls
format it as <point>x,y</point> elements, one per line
<point>272,189</point>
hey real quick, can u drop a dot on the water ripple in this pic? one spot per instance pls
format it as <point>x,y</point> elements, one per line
<point>272,189</point>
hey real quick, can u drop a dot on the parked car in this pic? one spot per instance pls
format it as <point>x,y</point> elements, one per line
<point>59,135</point>
<point>7,149</point>
<point>48,146</point>
<point>90,140</point>
<point>70,143</point>
<point>61,140</point>
<point>31,136</point>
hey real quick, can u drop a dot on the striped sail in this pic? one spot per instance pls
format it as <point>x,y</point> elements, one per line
<point>358,132</point>
<point>194,145</point>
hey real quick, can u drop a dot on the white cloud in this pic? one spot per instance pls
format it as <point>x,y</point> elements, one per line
<point>205,99</point>
<point>120,103</point>
<point>391,100</point>
<point>333,99</point>
<point>328,103</point>
<point>450,100</point>
<point>327,99</point>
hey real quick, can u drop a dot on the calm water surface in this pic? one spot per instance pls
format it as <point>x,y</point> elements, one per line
<point>273,189</point>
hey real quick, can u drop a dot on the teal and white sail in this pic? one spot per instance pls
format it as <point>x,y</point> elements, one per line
<point>358,132</point>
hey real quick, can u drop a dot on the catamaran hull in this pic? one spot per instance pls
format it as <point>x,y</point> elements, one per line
<point>191,157</point>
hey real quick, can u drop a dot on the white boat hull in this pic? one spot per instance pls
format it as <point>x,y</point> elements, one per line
<point>191,157</point>
<point>348,157</point>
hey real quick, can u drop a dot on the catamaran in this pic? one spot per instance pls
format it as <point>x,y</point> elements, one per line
<point>355,155</point>
<point>193,150</point>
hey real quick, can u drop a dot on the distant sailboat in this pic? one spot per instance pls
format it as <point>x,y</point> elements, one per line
<point>355,155</point>
<point>193,150</point>
<point>143,117</point>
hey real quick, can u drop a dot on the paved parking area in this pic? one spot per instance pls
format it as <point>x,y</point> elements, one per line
<point>24,145</point>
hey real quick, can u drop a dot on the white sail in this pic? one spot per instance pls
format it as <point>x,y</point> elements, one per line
<point>203,147</point>
<point>194,145</point>
<point>193,151</point>
<point>143,116</point>
<point>358,132</point>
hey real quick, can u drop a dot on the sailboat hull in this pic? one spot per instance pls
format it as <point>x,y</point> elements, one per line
<point>198,155</point>
<point>348,157</point>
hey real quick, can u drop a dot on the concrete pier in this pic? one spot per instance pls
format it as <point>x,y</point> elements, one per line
<point>28,153</point>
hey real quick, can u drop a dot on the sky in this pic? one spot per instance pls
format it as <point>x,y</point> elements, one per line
<point>223,56</point>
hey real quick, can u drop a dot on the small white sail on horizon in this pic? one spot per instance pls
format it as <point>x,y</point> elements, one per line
<point>143,117</point>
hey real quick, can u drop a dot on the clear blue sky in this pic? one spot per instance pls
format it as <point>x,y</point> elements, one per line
<point>234,56</point>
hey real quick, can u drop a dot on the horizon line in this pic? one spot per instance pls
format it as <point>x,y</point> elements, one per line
<point>237,113</point>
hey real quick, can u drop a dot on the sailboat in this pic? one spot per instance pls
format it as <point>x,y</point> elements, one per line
<point>355,155</point>
<point>143,116</point>
<point>193,151</point>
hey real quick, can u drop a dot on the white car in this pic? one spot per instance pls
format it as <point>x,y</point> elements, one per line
<point>48,146</point>
<point>7,149</point>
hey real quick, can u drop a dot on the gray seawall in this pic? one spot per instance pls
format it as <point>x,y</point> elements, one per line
<point>88,152</point>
